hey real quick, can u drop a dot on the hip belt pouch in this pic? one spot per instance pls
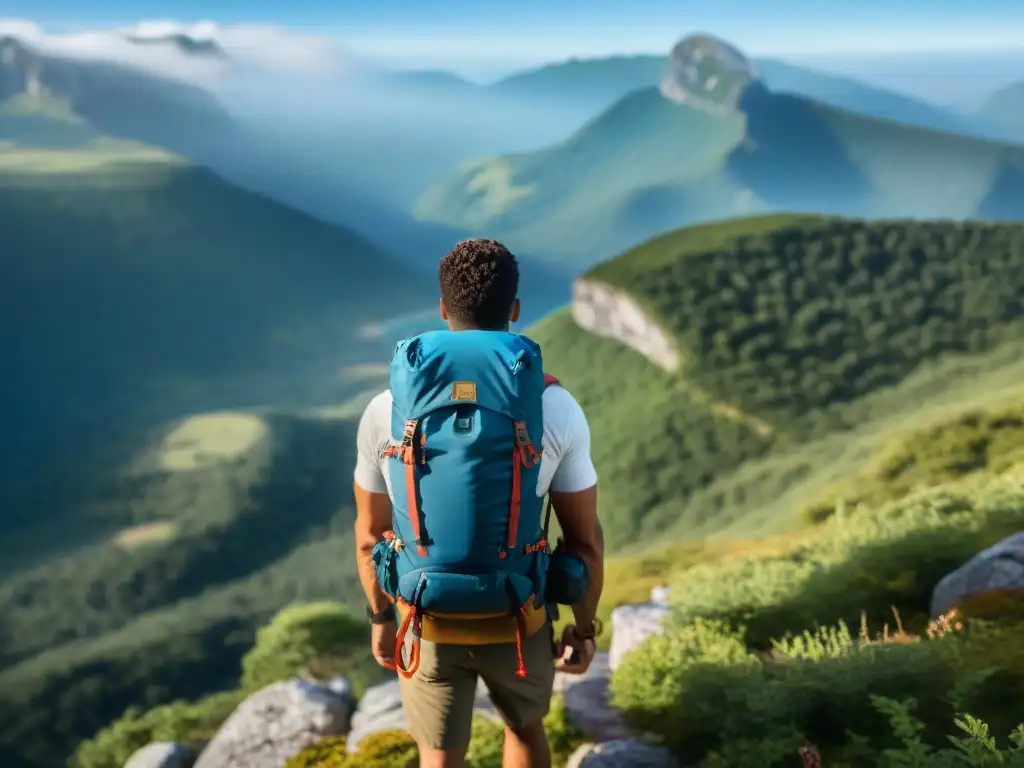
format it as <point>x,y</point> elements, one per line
<point>567,580</point>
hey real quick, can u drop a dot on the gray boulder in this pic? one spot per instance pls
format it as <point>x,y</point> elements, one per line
<point>162,755</point>
<point>1000,568</point>
<point>621,753</point>
<point>276,723</point>
<point>586,700</point>
<point>631,625</point>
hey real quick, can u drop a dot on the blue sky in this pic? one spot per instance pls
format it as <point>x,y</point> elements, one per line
<point>770,26</point>
<point>483,39</point>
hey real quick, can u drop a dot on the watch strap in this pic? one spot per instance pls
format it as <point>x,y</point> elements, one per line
<point>590,633</point>
<point>383,617</point>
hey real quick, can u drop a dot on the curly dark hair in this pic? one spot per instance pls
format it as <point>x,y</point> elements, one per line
<point>479,283</point>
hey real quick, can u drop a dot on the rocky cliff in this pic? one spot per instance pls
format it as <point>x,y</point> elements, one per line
<point>611,312</point>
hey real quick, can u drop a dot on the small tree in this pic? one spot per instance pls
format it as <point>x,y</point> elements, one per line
<point>315,641</point>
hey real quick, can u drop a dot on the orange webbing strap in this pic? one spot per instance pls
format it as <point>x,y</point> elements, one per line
<point>414,652</point>
<point>524,454</point>
<point>407,453</point>
<point>520,634</point>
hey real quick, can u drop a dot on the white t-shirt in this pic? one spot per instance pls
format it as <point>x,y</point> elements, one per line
<point>565,465</point>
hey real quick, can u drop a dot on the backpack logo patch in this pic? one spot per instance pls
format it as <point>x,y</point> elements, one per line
<point>464,390</point>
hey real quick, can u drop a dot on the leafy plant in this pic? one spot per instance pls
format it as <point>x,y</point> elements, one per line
<point>317,641</point>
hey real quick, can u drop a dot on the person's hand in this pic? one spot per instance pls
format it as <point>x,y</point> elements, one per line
<point>382,643</point>
<point>574,654</point>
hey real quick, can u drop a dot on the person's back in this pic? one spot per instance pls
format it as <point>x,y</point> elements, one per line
<point>455,459</point>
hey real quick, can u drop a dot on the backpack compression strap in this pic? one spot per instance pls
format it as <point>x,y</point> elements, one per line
<point>407,453</point>
<point>525,454</point>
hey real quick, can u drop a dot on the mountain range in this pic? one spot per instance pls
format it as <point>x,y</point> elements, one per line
<point>693,150</point>
<point>599,83</point>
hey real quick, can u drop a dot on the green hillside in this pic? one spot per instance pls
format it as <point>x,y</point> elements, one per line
<point>647,165</point>
<point>137,287</point>
<point>218,524</point>
<point>803,341</point>
<point>155,511</point>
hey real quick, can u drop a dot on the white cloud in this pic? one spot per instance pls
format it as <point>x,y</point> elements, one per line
<point>252,48</point>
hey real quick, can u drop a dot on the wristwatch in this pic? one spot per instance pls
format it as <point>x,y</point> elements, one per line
<point>592,631</point>
<point>388,614</point>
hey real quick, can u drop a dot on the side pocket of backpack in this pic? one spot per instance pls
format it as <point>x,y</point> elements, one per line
<point>539,577</point>
<point>568,579</point>
<point>385,562</point>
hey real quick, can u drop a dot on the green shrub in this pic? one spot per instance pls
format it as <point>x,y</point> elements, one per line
<point>976,748</point>
<point>867,562</point>
<point>316,641</point>
<point>326,753</point>
<point>394,749</point>
<point>747,667</point>
<point>703,691</point>
<point>191,723</point>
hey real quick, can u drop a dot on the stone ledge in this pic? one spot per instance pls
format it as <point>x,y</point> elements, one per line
<point>611,312</point>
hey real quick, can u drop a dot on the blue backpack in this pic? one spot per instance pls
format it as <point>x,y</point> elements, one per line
<point>468,539</point>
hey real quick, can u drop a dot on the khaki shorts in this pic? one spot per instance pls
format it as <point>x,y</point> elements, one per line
<point>438,698</point>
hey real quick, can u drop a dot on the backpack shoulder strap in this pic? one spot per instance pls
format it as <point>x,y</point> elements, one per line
<point>549,381</point>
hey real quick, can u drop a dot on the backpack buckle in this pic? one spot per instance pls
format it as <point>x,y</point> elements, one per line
<point>522,436</point>
<point>409,433</point>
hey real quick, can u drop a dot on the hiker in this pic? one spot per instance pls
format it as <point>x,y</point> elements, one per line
<point>454,462</point>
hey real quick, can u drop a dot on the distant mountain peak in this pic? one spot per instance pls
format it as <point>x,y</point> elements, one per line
<point>187,44</point>
<point>21,68</point>
<point>707,73</point>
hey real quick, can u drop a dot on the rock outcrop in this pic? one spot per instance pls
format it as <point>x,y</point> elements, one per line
<point>621,753</point>
<point>162,755</point>
<point>605,310</point>
<point>631,625</point>
<point>707,73</point>
<point>992,575</point>
<point>276,723</point>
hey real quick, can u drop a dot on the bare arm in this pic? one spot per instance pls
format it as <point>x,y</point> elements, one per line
<point>583,536</point>
<point>373,505</point>
<point>373,518</point>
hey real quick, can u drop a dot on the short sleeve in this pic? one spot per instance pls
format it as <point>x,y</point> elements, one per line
<point>567,435</point>
<point>372,431</point>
